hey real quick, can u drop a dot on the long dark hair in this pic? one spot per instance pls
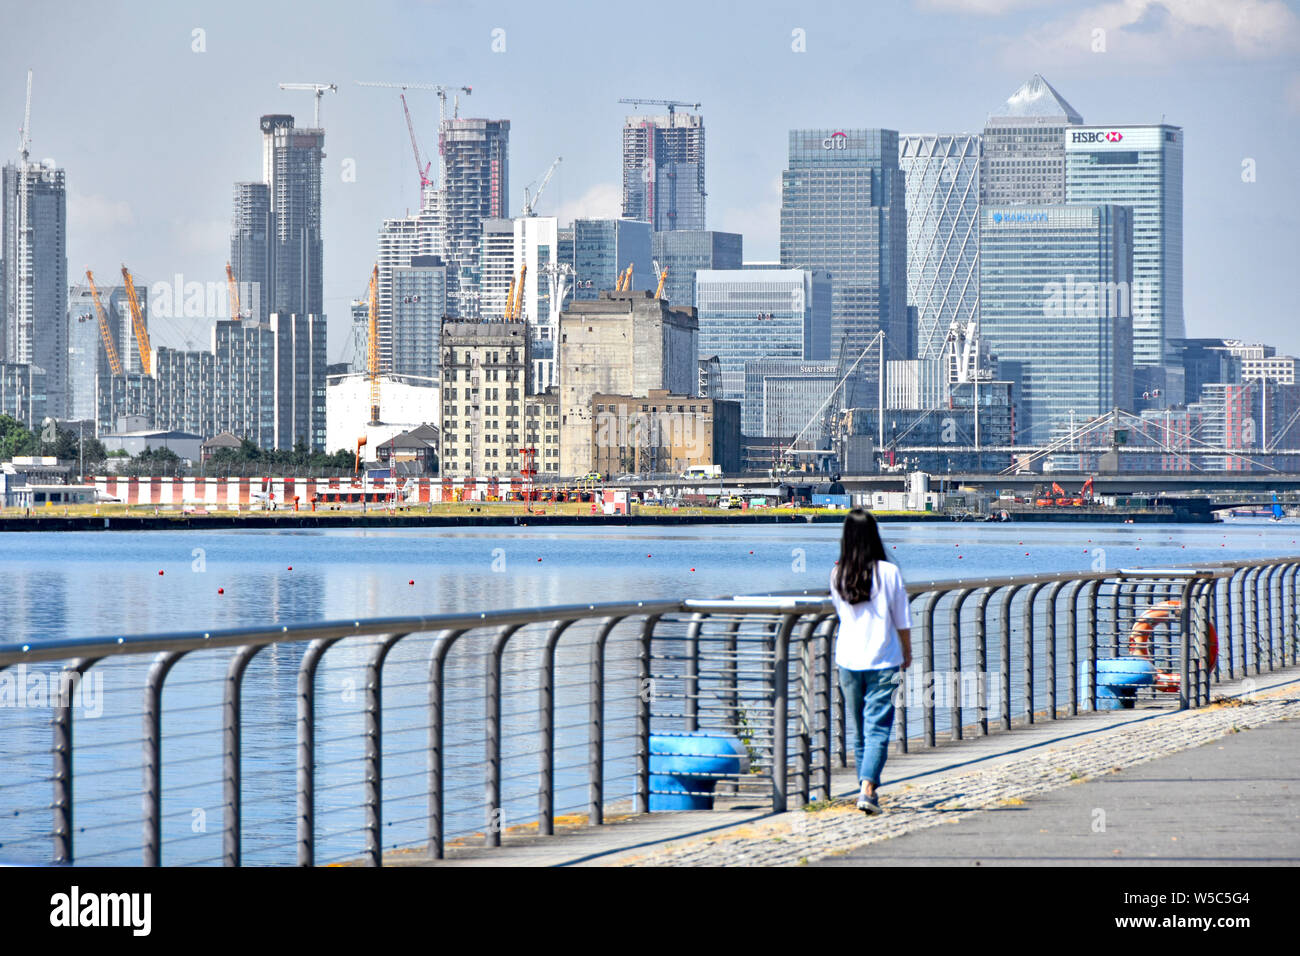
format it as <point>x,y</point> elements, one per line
<point>860,549</point>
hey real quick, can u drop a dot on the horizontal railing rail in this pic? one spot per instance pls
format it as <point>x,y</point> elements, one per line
<point>399,738</point>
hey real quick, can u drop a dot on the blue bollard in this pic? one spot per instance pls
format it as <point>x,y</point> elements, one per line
<point>1118,679</point>
<point>685,767</point>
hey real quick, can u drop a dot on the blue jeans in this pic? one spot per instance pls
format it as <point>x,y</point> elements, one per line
<point>869,699</point>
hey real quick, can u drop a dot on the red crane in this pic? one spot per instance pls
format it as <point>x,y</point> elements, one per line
<point>425,181</point>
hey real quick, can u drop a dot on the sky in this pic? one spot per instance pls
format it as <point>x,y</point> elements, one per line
<point>152,109</point>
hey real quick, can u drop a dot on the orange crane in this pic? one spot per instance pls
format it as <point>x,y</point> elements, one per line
<point>663,277</point>
<point>517,306</point>
<point>372,346</point>
<point>137,324</point>
<point>510,300</point>
<point>624,283</point>
<point>234,293</point>
<point>105,333</point>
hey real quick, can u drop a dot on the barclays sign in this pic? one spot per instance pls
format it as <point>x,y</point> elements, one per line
<point>1001,217</point>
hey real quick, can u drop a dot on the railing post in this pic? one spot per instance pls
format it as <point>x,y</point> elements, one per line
<point>232,831</point>
<point>151,741</point>
<point>69,678</point>
<point>780,712</point>
<point>1185,627</point>
<point>825,709</point>
<point>1004,651</point>
<point>643,694</point>
<point>1050,646</point>
<point>982,657</point>
<point>374,750</point>
<point>493,822</point>
<point>1275,601</point>
<point>596,726</point>
<point>1289,633</point>
<point>927,668</point>
<point>956,685</point>
<point>307,749</point>
<point>691,681</point>
<point>1030,602</point>
<point>546,731</point>
<point>807,672</point>
<point>1252,614</point>
<point>437,715</point>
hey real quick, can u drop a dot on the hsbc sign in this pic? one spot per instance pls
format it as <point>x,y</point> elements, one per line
<point>1101,139</point>
<point>1096,136</point>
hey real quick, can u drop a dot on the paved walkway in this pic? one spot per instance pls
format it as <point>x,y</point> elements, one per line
<point>1233,801</point>
<point>957,782</point>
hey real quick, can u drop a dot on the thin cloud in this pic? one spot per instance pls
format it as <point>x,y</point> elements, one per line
<point>601,201</point>
<point>1163,31</point>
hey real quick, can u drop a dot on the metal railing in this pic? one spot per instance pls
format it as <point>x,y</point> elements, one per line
<point>378,741</point>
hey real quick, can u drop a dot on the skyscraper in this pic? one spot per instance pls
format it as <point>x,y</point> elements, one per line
<point>603,248</point>
<point>1140,167</point>
<point>270,369</point>
<point>400,239</point>
<point>746,314</point>
<point>842,212</point>
<point>943,191</point>
<point>1024,147</point>
<point>419,303</point>
<point>250,247</point>
<point>663,171</point>
<point>35,280</point>
<point>476,164</point>
<point>1054,306</point>
<point>684,252</point>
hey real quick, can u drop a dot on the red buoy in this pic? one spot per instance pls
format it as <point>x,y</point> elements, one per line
<point>160,573</point>
<point>221,590</point>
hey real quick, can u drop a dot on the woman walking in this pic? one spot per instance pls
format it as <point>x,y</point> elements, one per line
<point>873,645</point>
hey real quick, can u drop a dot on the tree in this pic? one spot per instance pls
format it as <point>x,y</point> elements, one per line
<point>16,439</point>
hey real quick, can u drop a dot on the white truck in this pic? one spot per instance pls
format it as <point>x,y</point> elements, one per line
<point>703,472</point>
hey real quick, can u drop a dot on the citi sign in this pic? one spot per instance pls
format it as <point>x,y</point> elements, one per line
<point>1094,136</point>
<point>837,140</point>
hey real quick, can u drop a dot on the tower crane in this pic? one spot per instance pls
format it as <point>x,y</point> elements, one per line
<point>439,88</point>
<point>372,347</point>
<point>25,131</point>
<point>234,293</point>
<point>516,307</point>
<point>530,202</point>
<point>422,170</point>
<point>105,333</point>
<point>319,89</point>
<point>137,324</point>
<point>672,105</point>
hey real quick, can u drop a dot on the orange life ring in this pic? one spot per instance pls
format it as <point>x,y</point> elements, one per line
<point>1139,641</point>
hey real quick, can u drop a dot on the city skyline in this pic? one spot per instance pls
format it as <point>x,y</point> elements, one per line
<point>164,207</point>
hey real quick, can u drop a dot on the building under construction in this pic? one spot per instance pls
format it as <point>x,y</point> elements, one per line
<point>663,171</point>
<point>475,161</point>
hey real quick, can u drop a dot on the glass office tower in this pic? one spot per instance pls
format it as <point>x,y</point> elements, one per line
<point>943,201</point>
<point>842,212</point>
<point>683,253</point>
<point>1140,167</point>
<point>1055,308</point>
<point>761,313</point>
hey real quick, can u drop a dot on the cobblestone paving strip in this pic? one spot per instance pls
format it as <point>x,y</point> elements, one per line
<point>799,836</point>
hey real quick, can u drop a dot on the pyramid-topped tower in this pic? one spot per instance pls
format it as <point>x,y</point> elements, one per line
<point>1024,147</point>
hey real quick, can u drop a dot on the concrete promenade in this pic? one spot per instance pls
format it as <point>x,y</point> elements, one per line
<point>1165,790</point>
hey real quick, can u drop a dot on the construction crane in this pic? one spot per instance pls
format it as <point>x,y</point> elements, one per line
<point>422,170</point>
<point>105,333</point>
<point>670,104</point>
<point>510,300</point>
<point>439,88</point>
<point>372,347</point>
<point>624,282</point>
<point>663,277</point>
<point>518,303</point>
<point>320,89</point>
<point>234,293</point>
<point>25,131</point>
<point>530,202</point>
<point>137,324</point>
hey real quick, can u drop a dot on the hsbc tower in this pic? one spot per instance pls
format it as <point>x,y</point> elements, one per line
<point>1140,167</point>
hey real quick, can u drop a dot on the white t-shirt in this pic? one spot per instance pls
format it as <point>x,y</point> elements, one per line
<point>868,635</point>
